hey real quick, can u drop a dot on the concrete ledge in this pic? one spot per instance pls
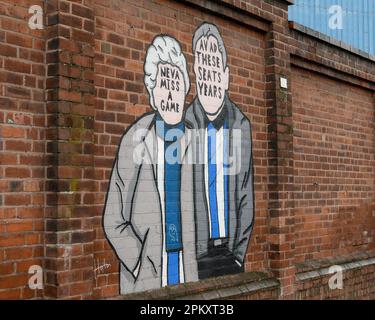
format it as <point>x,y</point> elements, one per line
<point>216,288</point>
<point>313,33</point>
<point>320,268</point>
<point>243,290</point>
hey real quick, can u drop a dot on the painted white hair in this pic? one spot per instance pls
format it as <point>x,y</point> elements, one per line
<point>164,49</point>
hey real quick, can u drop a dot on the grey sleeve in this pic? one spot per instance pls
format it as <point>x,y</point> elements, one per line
<point>118,225</point>
<point>244,194</point>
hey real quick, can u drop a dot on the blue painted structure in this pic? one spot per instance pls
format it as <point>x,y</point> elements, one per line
<point>358,27</point>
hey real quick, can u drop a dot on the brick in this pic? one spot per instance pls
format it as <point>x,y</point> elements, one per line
<point>12,240</point>
<point>82,36</point>
<point>8,51</point>
<point>18,92</point>
<point>85,62</point>
<point>15,145</point>
<point>81,11</point>
<point>135,44</point>
<point>6,103</point>
<point>9,77</point>
<point>16,200</point>
<point>114,38</point>
<point>20,226</point>
<point>126,75</point>
<point>19,40</point>
<point>11,294</point>
<point>12,132</point>
<point>14,281</point>
<point>72,21</point>
<point>6,268</point>
<point>134,87</point>
<point>72,96</point>
<point>114,84</point>
<point>17,172</point>
<point>17,66</point>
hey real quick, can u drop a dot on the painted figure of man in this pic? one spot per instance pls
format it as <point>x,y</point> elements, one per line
<point>149,212</point>
<point>223,175</point>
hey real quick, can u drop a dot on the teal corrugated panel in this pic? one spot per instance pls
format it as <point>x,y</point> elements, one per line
<point>358,29</point>
<point>372,27</point>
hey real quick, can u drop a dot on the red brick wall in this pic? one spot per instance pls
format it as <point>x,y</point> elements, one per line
<point>334,167</point>
<point>313,154</point>
<point>22,148</point>
<point>69,234</point>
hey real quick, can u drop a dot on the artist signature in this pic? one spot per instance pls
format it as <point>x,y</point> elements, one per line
<point>100,267</point>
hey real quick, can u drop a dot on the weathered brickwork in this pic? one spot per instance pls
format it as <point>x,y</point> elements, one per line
<point>334,168</point>
<point>358,285</point>
<point>69,231</point>
<point>357,280</point>
<point>23,149</point>
<point>68,93</point>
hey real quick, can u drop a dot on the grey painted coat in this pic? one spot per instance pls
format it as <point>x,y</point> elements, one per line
<point>133,217</point>
<point>241,193</point>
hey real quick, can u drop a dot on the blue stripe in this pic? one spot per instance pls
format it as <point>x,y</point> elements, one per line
<point>173,268</point>
<point>215,234</point>
<point>172,174</point>
<point>172,194</point>
<point>226,172</point>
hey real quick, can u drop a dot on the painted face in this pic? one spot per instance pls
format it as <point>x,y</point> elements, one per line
<point>211,76</point>
<point>169,93</point>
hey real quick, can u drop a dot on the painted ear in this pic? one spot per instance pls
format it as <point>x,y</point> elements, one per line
<point>195,67</point>
<point>226,78</point>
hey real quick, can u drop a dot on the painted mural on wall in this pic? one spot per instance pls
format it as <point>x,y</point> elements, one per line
<point>180,203</point>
